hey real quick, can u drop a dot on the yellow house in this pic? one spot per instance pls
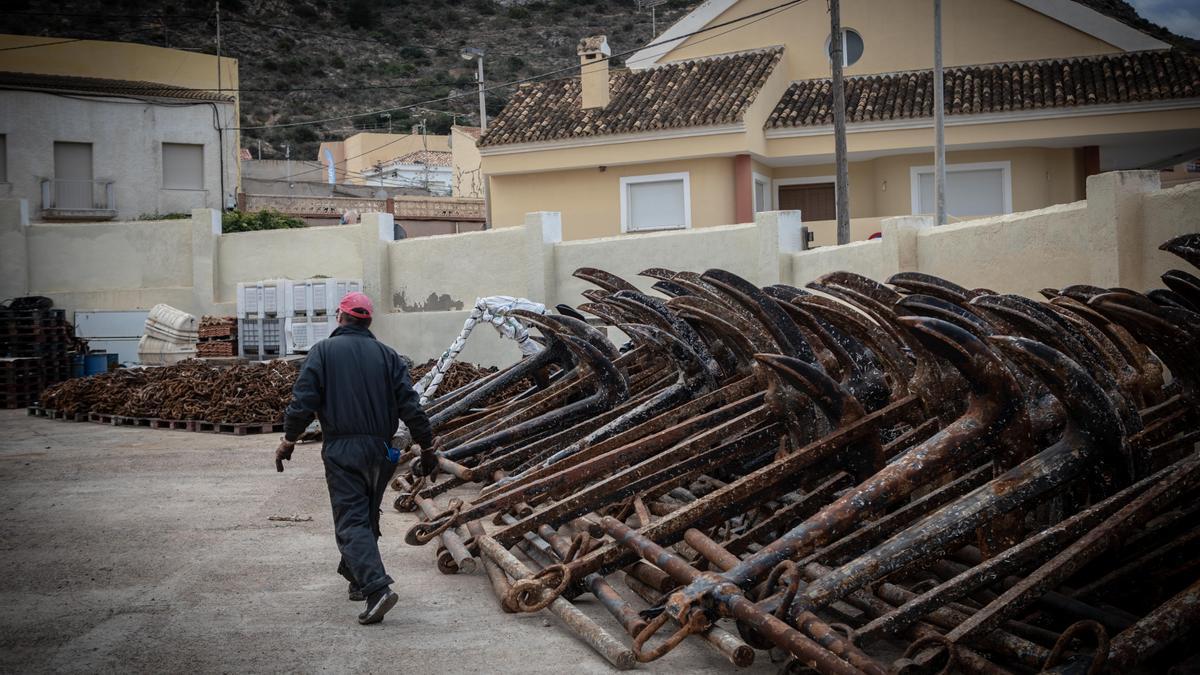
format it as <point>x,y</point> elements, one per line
<point>705,127</point>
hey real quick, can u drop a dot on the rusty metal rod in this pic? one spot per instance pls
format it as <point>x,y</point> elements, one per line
<point>620,656</point>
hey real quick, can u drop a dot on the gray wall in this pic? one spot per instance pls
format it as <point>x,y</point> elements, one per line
<point>126,138</point>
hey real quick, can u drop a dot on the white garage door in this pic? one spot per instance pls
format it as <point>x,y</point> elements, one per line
<point>971,190</point>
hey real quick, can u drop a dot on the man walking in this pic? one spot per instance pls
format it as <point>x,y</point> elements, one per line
<point>357,387</point>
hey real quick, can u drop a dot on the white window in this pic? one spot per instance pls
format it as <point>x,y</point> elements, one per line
<point>3,158</point>
<point>183,166</point>
<point>983,189</point>
<point>762,193</point>
<point>852,47</point>
<point>656,202</point>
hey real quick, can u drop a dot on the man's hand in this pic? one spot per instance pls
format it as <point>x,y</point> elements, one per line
<point>284,451</point>
<point>427,463</point>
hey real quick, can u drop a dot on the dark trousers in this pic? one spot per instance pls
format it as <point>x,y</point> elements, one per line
<point>357,472</point>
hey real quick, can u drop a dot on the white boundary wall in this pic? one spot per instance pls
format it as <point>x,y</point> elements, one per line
<point>1110,239</point>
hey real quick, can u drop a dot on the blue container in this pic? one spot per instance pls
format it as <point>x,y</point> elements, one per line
<point>113,361</point>
<point>94,364</point>
<point>77,365</point>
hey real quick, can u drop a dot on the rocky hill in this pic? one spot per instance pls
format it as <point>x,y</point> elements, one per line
<point>315,59</point>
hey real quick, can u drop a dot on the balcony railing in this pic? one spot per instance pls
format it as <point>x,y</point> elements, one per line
<point>311,207</point>
<point>403,208</point>
<point>79,197</point>
<point>437,208</point>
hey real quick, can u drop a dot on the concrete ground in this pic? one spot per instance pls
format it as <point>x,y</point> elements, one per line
<point>134,550</point>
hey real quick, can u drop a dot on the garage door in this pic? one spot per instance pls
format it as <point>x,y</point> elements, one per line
<point>971,190</point>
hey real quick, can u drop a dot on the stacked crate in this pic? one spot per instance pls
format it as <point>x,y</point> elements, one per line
<point>35,348</point>
<point>279,316</point>
<point>218,337</point>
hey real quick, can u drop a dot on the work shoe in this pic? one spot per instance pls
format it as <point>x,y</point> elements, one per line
<point>378,604</point>
<point>355,594</point>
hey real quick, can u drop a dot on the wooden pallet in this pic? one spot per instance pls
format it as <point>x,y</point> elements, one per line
<point>100,418</point>
<point>50,413</point>
<point>173,425</point>
<point>239,429</point>
<point>123,421</point>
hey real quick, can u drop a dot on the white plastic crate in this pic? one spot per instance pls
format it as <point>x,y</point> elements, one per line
<point>272,297</point>
<point>323,295</point>
<point>304,332</point>
<point>262,338</point>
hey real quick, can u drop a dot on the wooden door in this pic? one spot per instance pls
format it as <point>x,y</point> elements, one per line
<point>815,201</point>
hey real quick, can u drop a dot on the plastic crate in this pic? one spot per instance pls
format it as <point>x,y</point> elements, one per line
<point>269,298</point>
<point>262,338</point>
<point>304,332</point>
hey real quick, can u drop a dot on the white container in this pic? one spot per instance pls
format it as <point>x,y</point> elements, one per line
<point>262,338</point>
<point>272,297</point>
<point>304,332</point>
<point>323,295</point>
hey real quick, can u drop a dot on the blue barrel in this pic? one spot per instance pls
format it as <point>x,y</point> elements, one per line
<point>77,365</point>
<point>94,364</point>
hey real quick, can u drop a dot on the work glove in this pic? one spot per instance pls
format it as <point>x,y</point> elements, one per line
<point>427,464</point>
<point>284,451</point>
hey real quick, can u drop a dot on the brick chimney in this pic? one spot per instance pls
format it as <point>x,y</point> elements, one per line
<point>593,70</point>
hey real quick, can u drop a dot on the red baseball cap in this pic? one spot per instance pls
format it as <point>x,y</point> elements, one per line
<point>357,305</point>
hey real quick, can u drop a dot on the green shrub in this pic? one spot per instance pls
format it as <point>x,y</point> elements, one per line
<point>164,216</point>
<point>239,221</point>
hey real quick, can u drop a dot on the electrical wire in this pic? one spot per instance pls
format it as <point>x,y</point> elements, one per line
<point>41,44</point>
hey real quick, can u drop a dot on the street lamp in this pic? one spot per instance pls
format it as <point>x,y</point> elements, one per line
<point>476,54</point>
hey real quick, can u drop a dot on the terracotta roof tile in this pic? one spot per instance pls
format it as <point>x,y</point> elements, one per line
<point>701,92</point>
<point>69,84</point>
<point>427,157</point>
<point>1133,77</point>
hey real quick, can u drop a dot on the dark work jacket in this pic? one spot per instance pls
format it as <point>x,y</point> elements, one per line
<point>356,386</point>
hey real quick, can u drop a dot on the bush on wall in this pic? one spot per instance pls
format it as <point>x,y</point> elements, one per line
<point>239,221</point>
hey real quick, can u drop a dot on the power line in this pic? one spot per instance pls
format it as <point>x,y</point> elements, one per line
<point>42,44</point>
<point>754,15</point>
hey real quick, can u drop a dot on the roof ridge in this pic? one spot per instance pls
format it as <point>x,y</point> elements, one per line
<point>713,57</point>
<point>1062,59</point>
<point>1101,79</point>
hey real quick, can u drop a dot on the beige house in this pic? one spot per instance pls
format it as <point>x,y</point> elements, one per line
<point>94,130</point>
<point>705,129</point>
<point>468,177</point>
<point>353,159</point>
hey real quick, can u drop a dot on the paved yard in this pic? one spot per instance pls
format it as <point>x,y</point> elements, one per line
<point>132,549</point>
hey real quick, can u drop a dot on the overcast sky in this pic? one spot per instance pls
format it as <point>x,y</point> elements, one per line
<point>1182,17</point>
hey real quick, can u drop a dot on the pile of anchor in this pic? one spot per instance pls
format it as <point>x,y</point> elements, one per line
<point>857,477</point>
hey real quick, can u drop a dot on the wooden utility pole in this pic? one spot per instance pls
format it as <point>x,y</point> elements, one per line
<point>939,114</point>
<point>837,51</point>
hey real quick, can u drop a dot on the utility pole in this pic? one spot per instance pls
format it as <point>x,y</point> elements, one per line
<point>260,148</point>
<point>469,53</point>
<point>482,102</point>
<point>939,114</point>
<point>837,44</point>
<point>287,154</point>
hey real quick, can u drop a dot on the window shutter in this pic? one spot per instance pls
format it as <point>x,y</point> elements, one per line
<point>656,205</point>
<point>183,166</point>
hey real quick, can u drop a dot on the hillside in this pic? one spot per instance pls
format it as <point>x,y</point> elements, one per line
<point>316,59</point>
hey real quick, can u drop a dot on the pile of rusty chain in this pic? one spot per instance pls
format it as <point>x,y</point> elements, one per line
<point>189,390</point>
<point>462,374</point>
<point>981,482</point>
